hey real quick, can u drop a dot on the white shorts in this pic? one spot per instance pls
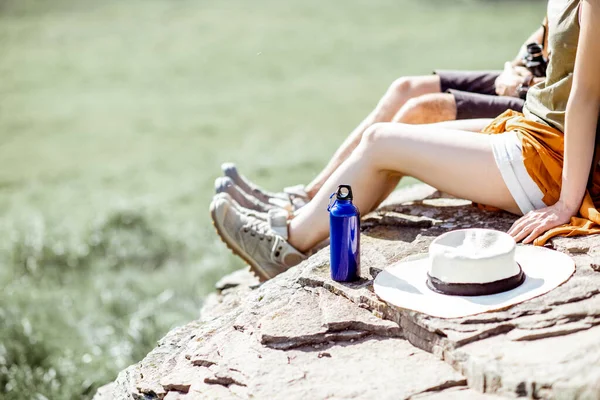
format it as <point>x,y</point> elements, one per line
<point>508,154</point>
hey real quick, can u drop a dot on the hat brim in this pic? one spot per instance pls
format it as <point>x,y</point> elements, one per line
<point>404,284</point>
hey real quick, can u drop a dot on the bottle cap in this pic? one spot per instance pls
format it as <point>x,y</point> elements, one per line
<point>344,192</point>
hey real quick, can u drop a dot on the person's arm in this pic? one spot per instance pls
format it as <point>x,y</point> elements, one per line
<point>583,109</point>
<point>582,113</point>
<point>537,37</point>
<point>515,73</point>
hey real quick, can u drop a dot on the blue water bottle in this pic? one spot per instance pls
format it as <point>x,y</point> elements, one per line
<point>344,236</point>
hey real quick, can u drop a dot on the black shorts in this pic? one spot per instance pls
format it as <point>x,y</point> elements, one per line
<point>475,94</point>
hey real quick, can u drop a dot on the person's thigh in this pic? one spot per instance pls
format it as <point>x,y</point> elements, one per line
<point>457,162</point>
<point>399,92</point>
<point>470,125</point>
<point>412,86</point>
<point>426,84</point>
<point>475,105</point>
<point>427,109</point>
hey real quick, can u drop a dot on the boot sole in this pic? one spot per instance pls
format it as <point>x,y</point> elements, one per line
<point>236,250</point>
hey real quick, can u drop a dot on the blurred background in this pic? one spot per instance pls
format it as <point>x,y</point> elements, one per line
<point>115,117</point>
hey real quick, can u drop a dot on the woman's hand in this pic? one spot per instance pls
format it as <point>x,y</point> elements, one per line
<point>536,222</point>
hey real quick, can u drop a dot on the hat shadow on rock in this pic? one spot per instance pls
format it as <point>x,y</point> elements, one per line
<point>401,284</point>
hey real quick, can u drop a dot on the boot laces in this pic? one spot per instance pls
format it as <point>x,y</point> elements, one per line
<point>258,228</point>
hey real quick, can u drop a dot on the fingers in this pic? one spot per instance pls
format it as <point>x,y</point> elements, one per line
<point>525,226</point>
<point>519,224</point>
<point>515,225</point>
<point>500,89</point>
<point>525,231</point>
<point>522,71</point>
<point>533,224</point>
<point>534,234</point>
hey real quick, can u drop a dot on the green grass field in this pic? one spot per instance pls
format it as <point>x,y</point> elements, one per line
<point>115,117</point>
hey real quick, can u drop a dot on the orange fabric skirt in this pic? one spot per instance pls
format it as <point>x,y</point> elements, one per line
<point>543,152</point>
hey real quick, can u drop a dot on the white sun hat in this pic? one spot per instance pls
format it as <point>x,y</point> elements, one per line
<point>471,271</point>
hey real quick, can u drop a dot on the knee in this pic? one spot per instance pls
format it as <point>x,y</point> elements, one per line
<point>382,142</point>
<point>427,109</point>
<point>373,136</point>
<point>414,110</point>
<point>400,91</point>
<point>402,86</point>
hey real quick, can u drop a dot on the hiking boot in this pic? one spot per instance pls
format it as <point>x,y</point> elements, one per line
<point>291,199</point>
<point>267,253</point>
<point>246,211</point>
<point>226,185</point>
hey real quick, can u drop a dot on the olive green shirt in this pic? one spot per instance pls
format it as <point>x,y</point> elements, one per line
<point>547,101</point>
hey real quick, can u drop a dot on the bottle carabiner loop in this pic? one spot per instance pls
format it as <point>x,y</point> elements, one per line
<point>331,203</point>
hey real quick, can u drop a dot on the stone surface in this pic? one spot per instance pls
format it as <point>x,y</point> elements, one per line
<point>238,278</point>
<point>455,393</point>
<point>302,335</point>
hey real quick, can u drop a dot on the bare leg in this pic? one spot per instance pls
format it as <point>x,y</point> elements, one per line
<point>427,109</point>
<point>469,125</point>
<point>457,162</point>
<point>401,91</point>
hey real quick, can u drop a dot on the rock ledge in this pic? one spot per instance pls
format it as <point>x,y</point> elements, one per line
<point>302,335</point>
